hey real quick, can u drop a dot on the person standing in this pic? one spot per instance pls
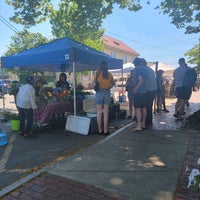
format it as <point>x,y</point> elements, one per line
<point>140,94</point>
<point>62,82</point>
<point>130,83</point>
<point>161,92</point>
<point>25,99</point>
<point>64,85</point>
<point>151,92</point>
<point>182,93</point>
<point>103,98</point>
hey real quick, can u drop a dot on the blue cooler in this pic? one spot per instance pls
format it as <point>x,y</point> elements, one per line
<point>3,138</point>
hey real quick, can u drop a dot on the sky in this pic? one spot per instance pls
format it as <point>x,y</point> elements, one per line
<point>146,31</point>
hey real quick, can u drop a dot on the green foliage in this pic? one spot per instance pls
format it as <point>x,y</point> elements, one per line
<point>197,183</point>
<point>82,20</point>
<point>79,20</point>
<point>30,12</point>
<point>9,115</point>
<point>25,40</point>
<point>88,15</point>
<point>194,56</point>
<point>183,14</point>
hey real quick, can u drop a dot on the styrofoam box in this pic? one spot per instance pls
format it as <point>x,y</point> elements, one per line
<point>78,124</point>
<point>91,115</point>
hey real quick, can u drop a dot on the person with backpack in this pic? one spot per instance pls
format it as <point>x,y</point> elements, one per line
<point>184,79</point>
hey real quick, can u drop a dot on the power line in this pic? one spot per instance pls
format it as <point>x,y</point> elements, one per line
<point>144,30</point>
<point>8,24</point>
<point>145,44</point>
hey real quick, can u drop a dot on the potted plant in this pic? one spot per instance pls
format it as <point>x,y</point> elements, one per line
<point>13,118</point>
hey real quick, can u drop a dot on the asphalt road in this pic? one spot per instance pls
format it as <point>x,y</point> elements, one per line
<point>22,155</point>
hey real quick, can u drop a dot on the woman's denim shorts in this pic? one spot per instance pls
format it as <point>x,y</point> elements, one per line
<point>103,97</point>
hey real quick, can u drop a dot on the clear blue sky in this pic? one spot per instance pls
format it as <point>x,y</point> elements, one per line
<point>146,31</point>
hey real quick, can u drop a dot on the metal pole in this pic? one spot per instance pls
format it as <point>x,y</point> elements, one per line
<point>122,83</point>
<point>3,90</point>
<point>74,89</point>
<point>155,99</point>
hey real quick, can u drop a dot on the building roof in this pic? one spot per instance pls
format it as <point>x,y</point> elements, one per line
<point>163,66</point>
<point>112,42</point>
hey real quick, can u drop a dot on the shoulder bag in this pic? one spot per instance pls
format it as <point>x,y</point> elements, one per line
<point>96,86</point>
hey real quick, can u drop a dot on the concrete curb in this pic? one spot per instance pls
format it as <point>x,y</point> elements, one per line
<point>29,177</point>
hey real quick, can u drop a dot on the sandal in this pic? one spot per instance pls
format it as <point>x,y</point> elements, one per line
<point>108,133</point>
<point>28,135</point>
<point>137,129</point>
<point>20,133</point>
<point>100,133</point>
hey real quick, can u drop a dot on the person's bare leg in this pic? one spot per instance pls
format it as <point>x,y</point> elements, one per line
<point>177,105</point>
<point>105,114</point>
<point>144,115</point>
<point>181,107</point>
<point>138,113</point>
<point>99,115</point>
<point>131,106</point>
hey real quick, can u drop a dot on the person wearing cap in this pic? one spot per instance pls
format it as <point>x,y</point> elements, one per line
<point>25,99</point>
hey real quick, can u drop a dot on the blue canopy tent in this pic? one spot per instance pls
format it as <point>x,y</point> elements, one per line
<point>59,55</point>
<point>63,54</point>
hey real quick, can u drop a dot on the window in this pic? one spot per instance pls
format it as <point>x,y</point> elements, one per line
<point>113,54</point>
<point>124,58</point>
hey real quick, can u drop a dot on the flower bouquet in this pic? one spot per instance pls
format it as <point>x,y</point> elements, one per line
<point>60,94</point>
<point>52,95</point>
<point>46,95</point>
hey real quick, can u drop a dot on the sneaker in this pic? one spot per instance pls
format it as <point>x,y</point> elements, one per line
<point>187,103</point>
<point>175,115</point>
<point>28,135</point>
<point>129,117</point>
<point>179,118</point>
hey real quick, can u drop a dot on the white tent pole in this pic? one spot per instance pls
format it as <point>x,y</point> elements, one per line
<point>3,91</point>
<point>74,89</point>
<point>122,83</point>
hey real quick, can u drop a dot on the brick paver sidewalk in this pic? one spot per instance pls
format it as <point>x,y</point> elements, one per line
<point>51,187</point>
<point>190,162</point>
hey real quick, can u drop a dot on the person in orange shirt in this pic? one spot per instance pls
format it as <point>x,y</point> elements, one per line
<point>103,98</point>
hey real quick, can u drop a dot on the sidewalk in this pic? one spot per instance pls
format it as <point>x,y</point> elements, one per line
<point>150,165</point>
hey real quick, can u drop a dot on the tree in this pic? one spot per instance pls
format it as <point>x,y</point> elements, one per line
<point>184,14</point>
<point>77,19</point>
<point>25,40</point>
<point>30,12</point>
<point>194,56</point>
<point>73,21</point>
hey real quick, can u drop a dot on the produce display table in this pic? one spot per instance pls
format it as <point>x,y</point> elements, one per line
<point>46,112</point>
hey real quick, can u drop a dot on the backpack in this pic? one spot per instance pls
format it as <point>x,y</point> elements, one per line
<point>190,77</point>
